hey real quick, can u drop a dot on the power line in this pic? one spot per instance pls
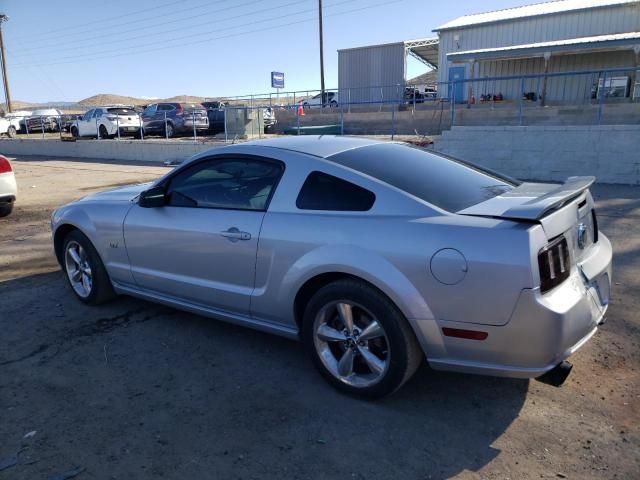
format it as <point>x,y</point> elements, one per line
<point>109,19</point>
<point>105,54</point>
<point>164,32</point>
<point>110,29</point>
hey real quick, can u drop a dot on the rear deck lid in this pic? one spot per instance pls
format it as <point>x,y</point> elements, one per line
<point>537,202</point>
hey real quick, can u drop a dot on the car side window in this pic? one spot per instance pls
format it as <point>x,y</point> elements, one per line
<point>88,115</point>
<point>232,183</point>
<point>326,192</point>
<point>165,108</point>
<point>150,110</point>
<point>97,113</point>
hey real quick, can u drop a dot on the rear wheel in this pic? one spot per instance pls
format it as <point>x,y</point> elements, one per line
<point>169,130</point>
<point>85,271</point>
<point>6,209</point>
<point>11,131</point>
<point>359,340</point>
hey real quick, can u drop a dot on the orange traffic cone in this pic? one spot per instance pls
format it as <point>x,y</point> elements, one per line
<point>300,110</point>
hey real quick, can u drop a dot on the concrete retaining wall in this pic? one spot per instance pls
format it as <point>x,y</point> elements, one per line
<point>610,152</point>
<point>134,150</point>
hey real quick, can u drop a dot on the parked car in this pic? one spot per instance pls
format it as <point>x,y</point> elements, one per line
<point>216,115</point>
<point>68,120</point>
<point>18,119</point>
<point>47,119</point>
<point>7,127</point>
<point>8,187</point>
<point>104,122</point>
<point>269,119</point>
<point>431,93</point>
<point>375,254</point>
<point>330,100</point>
<point>171,119</point>
<point>413,95</point>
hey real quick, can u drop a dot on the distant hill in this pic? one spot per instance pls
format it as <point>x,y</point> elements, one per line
<point>110,99</point>
<point>429,78</point>
<point>17,105</point>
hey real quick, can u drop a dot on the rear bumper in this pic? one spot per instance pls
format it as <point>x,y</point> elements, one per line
<point>5,199</point>
<point>543,329</point>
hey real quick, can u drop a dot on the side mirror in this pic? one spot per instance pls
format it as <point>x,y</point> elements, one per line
<point>152,198</point>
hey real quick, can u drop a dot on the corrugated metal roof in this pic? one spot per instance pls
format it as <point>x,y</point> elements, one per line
<point>546,8</point>
<point>589,41</point>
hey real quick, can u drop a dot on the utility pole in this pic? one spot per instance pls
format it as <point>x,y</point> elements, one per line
<point>5,80</point>
<point>322,97</point>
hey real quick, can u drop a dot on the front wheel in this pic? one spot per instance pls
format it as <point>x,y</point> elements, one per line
<point>103,132</point>
<point>11,131</point>
<point>74,132</point>
<point>85,271</point>
<point>359,340</point>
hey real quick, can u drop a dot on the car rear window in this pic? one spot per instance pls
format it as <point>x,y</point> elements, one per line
<point>192,107</point>
<point>121,111</point>
<point>446,183</point>
<point>326,192</point>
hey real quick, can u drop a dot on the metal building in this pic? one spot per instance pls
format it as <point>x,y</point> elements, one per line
<point>558,36</point>
<point>377,73</point>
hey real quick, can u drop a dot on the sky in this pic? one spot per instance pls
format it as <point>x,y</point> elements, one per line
<point>69,50</point>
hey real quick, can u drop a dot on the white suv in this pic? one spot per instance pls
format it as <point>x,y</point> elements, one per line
<point>104,122</point>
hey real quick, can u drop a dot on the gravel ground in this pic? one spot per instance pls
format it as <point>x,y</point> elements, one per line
<point>136,390</point>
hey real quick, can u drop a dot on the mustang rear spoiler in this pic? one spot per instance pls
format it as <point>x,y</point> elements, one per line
<point>531,201</point>
<point>538,207</point>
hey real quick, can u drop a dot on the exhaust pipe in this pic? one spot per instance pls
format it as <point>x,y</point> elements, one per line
<point>557,375</point>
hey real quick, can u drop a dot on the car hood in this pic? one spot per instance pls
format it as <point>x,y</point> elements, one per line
<point>122,194</point>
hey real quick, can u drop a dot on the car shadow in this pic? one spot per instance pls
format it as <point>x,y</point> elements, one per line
<point>132,386</point>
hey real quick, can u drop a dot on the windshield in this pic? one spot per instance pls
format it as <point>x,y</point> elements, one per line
<point>446,183</point>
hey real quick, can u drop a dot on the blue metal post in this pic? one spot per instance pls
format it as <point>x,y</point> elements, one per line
<point>521,100</point>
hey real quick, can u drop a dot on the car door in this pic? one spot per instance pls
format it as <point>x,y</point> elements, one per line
<point>84,124</point>
<point>200,247</point>
<point>148,117</point>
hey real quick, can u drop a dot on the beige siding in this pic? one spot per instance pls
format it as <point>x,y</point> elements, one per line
<point>595,21</point>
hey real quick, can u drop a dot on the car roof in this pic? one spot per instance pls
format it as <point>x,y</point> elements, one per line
<point>323,146</point>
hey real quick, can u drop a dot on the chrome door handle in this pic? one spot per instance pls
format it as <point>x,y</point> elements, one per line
<point>233,234</point>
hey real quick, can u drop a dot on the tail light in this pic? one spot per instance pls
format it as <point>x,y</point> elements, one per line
<point>554,264</point>
<point>5,166</point>
<point>179,110</point>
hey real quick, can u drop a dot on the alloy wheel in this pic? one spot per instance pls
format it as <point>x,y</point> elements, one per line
<point>78,269</point>
<point>351,343</point>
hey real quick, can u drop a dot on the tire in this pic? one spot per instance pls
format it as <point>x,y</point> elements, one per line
<point>103,132</point>
<point>74,132</point>
<point>333,104</point>
<point>170,130</point>
<point>391,341</point>
<point>305,106</point>
<point>6,209</point>
<point>11,131</point>
<point>94,287</point>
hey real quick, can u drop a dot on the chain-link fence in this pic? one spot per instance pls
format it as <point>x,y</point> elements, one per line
<point>568,98</point>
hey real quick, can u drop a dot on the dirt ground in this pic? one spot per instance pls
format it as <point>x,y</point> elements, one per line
<point>136,390</point>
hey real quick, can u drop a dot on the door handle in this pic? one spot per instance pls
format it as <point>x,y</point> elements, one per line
<point>233,234</point>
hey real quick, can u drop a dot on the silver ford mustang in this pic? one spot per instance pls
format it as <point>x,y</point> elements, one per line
<point>375,254</point>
